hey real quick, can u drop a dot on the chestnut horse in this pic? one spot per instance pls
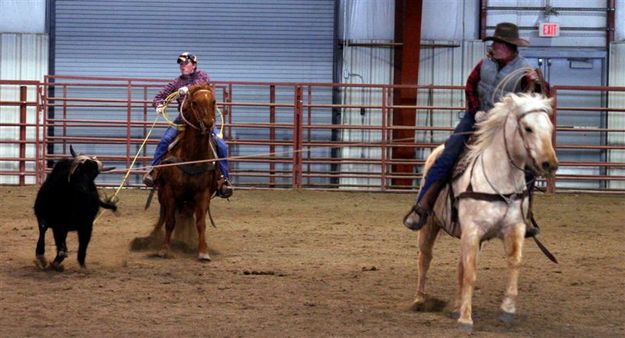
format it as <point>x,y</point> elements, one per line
<point>188,187</point>
<point>491,196</point>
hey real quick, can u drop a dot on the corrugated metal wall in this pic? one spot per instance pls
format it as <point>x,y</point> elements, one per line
<point>24,57</point>
<point>247,40</point>
<point>616,120</point>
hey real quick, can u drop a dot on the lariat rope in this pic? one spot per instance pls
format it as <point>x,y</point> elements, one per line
<point>172,96</point>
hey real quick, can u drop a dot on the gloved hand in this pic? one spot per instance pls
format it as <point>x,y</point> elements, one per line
<point>183,90</point>
<point>159,109</point>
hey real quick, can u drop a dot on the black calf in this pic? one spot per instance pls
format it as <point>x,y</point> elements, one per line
<point>68,201</point>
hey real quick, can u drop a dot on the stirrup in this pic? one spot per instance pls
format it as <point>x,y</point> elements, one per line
<point>225,189</point>
<point>416,211</point>
<point>148,180</point>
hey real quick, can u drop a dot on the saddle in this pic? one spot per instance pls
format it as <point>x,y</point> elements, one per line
<point>453,227</point>
<point>189,169</point>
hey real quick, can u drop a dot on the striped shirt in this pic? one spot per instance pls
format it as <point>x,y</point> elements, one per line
<point>197,77</point>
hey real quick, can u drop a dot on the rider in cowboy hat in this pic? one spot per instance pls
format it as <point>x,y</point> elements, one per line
<point>502,61</point>
<point>189,76</point>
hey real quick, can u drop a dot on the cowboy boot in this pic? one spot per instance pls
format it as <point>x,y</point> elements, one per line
<point>224,187</point>
<point>148,180</point>
<point>420,212</point>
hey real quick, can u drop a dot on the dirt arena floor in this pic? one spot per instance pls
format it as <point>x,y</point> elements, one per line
<point>307,264</point>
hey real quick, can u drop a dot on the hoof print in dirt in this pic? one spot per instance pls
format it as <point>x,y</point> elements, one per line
<point>429,304</point>
<point>506,317</point>
<point>465,328</point>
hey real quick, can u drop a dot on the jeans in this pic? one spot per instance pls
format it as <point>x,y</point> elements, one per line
<point>454,146</point>
<point>170,135</point>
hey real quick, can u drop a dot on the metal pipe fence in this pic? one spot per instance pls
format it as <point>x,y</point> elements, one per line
<point>280,135</point>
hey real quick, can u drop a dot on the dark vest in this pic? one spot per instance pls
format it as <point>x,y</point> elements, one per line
<point>491,77</point>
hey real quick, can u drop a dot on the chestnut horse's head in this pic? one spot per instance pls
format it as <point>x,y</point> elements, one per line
<point>198,108</point>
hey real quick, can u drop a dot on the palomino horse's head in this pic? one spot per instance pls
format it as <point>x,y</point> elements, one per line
<point>198,108</point>
<point>530,119</point>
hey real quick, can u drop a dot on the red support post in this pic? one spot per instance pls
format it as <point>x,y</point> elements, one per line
<point>23,119</point>
<point>297,136</point>
<point>407,54</point>
<point>483,17</point>
<point>272,135</point>
<point>129,127</point>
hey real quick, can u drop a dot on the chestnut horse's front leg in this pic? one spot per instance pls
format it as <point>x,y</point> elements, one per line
<point>513,245</point>
<point>468,259</point>
<point>168,202</point>
<point>203,203</point>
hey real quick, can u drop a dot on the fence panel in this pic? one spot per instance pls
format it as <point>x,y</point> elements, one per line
<point>280,135</point>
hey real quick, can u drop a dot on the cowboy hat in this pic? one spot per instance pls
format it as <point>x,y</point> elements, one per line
<point>509,33</point>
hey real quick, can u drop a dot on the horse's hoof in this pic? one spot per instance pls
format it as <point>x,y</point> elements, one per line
<point>506,317</point>
<point>57,267</point>
<point>465,327</point>
<point>204,257</point>
<point>164,253</point>
<point>454,314</point>
<point>419,303</point>
<point>41,262</point>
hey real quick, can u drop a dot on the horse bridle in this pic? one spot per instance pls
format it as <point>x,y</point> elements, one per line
<point>523,139</point>
<point>202,127</point>
<point>508,198</point>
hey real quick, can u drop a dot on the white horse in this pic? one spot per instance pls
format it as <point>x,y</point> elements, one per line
<point>491,196</point>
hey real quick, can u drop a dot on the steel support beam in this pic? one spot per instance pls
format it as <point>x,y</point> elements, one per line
<point>406,72</point>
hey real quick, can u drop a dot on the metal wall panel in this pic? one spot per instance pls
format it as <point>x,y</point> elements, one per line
<point>246,40</point>
<point>583,27</point>
<point>616,120</point>
<point>23,16</point>
<point>24,57</point>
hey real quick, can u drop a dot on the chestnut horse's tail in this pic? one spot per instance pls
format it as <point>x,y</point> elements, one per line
<point>160,222</point>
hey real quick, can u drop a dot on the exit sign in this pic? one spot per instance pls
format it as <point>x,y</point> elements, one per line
<point>549,29</point>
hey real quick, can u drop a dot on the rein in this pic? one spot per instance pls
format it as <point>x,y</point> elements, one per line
<point>499,196</point>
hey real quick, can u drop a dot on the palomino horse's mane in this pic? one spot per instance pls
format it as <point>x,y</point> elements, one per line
<point>516,104</point>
